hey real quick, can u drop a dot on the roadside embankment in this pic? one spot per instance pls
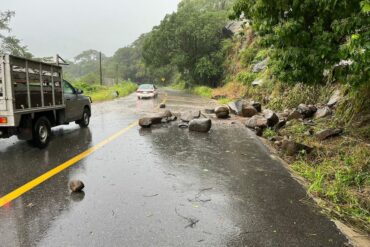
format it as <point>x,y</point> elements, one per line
<point>102,93</point>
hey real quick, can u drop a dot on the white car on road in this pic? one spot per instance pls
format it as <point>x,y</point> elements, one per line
<point>147,91</point>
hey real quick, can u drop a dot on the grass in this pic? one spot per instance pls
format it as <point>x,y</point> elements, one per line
<point>203,91</point>
<point>103,93</point>
<point>338,171</point>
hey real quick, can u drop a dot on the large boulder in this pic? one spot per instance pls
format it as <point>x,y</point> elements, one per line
<point>272,118</point>
<point>236,107</point>
<point>222,112</point>
<point>200,125</point>
<point>248,111</point>
<point>260,66</point>
<point>334,98</point>
<point>306,111</point>
<point>328,133</point>
<point>291,148</point>
<point>188,116</point>
<point>256,122</point>
<point>323,112</point>
<point>146,122</point>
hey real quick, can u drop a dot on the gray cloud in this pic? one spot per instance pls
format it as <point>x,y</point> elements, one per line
<point>68,27</point>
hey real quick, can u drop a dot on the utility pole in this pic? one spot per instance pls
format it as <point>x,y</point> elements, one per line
<point>100,69</point>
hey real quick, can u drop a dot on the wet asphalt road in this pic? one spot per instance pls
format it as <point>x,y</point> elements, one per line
<point>158,187</point>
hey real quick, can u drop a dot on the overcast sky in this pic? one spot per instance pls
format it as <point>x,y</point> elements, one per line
<point>68,27</point>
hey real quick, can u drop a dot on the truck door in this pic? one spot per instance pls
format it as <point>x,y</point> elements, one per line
<point>71,101</point>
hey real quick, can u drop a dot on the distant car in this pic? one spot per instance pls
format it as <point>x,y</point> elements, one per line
<point>147,91</point>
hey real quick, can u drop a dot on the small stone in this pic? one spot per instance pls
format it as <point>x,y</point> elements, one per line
<point>188,116</point>
<point>162,105</point>
<point>257,106</point>
<point>323,112</point>
<point>249,111</point>
<point>167,114</point>
<point>259,131</point>
<point>272,118</point>
<point>295,115</point>
<point>236,107</point>
<point>328,133</point>
<point>145,122</point>
<point>306,111</point>
<point>76,186</point>
<point>292,148</point>
<point>334,98</point>
<point>280,124</point>
<point>222,112</point>
<point>256,121</point>
<point>200,125</point>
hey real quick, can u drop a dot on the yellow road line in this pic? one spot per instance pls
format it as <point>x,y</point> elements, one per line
<point>39,180</point>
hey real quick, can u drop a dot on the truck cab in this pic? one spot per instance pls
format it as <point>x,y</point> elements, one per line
<point>34,98</point>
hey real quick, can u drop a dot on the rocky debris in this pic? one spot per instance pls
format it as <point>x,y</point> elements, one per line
<point>285,114</point>
<point>222,112</point>
<point>257,82</point>
<point>76,185</point>
<point>306,111</point>
<point>162,105</point>
<point>200,125</point>
<point>249,111</point>
<point>236,107</point>
<point>280,124</point>
<point>295,114</point>
<point>323,112</point>
<point>167,114</point>
<point>146,122</point>
<point>257,106</point>
<point>275,138</point>
<point>256,121</point>
<point>260,66</point>
<point>292,148</point>
<point>334,98</point>
<point>259,131</point>
<point>271,117</point>
<point>209,111</point>
<point>183,125</point>
<point>309,132</point>
<point>232,28</point>
<point>188,116</point>
<point>328,133</point>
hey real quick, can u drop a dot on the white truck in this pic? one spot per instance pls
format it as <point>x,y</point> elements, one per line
<point>34,98</point>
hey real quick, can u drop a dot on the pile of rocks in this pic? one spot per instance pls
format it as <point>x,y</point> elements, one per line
<point>260,120</point>
<point>190,119</point>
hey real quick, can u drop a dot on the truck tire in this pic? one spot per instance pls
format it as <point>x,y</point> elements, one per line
<point>85,120</point>
<point>41,132</point>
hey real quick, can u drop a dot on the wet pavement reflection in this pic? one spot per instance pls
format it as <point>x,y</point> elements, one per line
<point>159,187</point>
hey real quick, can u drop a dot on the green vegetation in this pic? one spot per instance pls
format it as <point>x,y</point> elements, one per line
<point>8,43</point>
<point>101,93</point>
<point>338,172</point>
<point>310,36</point>
<point>203,91</point>
<point>191,40</point>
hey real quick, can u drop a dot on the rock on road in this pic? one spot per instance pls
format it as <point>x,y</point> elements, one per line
<point>163,186</point>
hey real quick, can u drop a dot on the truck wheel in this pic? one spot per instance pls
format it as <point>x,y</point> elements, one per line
<point>85,120</point>
<point>41,132</point>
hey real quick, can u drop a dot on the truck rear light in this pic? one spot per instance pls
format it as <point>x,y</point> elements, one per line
<point>3,120</point>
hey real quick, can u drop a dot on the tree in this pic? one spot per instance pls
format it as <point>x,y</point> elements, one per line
<point>10,44</point>
<point>191,40</point>
<point>305,35</point>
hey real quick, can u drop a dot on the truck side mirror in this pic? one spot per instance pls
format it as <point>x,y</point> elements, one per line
<point>79,91</point>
